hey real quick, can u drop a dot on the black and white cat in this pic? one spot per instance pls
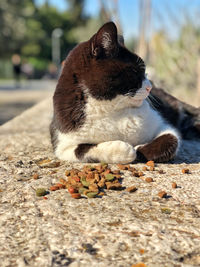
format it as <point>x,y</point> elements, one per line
<point>101,112</point>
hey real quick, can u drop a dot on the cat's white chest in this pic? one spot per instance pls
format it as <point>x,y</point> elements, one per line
<point>138,125</point>
<point>132,125</point>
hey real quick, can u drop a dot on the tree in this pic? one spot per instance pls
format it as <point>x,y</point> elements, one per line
<point>26,28</point>
<point>76,14</point>
<point>13,16</point>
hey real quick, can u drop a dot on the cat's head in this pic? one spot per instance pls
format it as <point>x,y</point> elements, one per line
<point>105,69</point>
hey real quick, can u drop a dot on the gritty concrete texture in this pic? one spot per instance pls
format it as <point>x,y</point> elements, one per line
<point>119,229</point>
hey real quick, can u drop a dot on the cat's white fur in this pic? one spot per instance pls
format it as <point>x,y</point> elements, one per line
<point>106,40</point>
<point>118,127</point>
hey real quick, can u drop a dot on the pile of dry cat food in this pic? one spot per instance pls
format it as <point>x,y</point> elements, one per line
<point>92,180</point>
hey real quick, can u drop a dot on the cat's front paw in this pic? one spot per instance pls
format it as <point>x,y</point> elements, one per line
<point>161,149</point>
<point>119,152</point>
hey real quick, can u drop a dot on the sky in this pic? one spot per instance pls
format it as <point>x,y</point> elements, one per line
<point>166,14</point>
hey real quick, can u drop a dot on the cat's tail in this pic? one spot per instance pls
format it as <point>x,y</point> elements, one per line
<point>184,117</point>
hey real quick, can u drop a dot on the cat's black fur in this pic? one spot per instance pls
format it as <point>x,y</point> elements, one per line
<point>184,117</point>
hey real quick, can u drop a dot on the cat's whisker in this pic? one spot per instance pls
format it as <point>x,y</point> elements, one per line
<point>129,94</point>
<point>141,65</point>
<point>154,99</point>
<point>134,70</point>
<point>150,103</point>
<point>132,92</point>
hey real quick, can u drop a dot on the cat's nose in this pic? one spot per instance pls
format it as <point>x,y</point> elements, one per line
<point>148,85</point>
<point>148,88</point>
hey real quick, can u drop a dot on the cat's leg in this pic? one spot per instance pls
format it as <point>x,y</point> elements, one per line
<point>109,152</point>
<point>162,149</point>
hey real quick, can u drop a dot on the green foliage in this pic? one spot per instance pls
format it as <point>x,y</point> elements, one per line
<point>38,63</point>
<point>27,29</point>
<point>131,44</point>
<point>81,34</point>
<point>76,15</point>
<point>175,61</point>
<point>6,69</point>
<point>13,25</point>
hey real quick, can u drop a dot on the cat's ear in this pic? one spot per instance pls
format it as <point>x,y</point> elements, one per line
<point>105,41</point>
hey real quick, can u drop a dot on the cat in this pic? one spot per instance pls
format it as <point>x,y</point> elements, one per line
<point>101,107</point>
<point>184,117</point>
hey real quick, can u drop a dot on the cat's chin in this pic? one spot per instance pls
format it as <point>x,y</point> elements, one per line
<point>137,102</point>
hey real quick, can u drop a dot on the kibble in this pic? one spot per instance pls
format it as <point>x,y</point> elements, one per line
<point>67,173</point>
<point>123,167</point>
<point>63,181</point>
<point>41,192</point>
<point>84,182</point>
<point>93,187</point>
<point>135,173</point>
<point>76,195</point>
<point>142,251</point>
<point>162,194</point>
<point>35,176</point>
<point>149,180</point>
<point>90,176</point>
<point>185,170</point>
<point>72,190</point>
<point>54,188</point>
<point>150,163</point>
<point>141,264</point>
<point>76,178</point>
<point>166,210</point>
<point>81,190</point>
<point>101,194</point>
<point>91,194</point>
<point>174,185</point>
<point>140,174</point>
<point>131,189</point>
<point>109,177</point>
<point>101,183</point>
<point>113,186</point>
<point>60,186</point>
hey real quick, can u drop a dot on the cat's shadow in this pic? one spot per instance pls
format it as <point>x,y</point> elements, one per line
<point>189,152</point>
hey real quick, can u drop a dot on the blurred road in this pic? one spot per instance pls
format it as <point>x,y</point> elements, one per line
<point>14,101</point>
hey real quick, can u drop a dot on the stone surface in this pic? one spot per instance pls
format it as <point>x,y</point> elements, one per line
<point>119,229</point>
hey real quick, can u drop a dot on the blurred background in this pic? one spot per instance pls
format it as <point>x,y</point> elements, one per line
<point>36,36</point>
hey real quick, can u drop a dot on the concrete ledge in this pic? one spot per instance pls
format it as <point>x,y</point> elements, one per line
<point>14,101</point>
<point>120,229</point>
